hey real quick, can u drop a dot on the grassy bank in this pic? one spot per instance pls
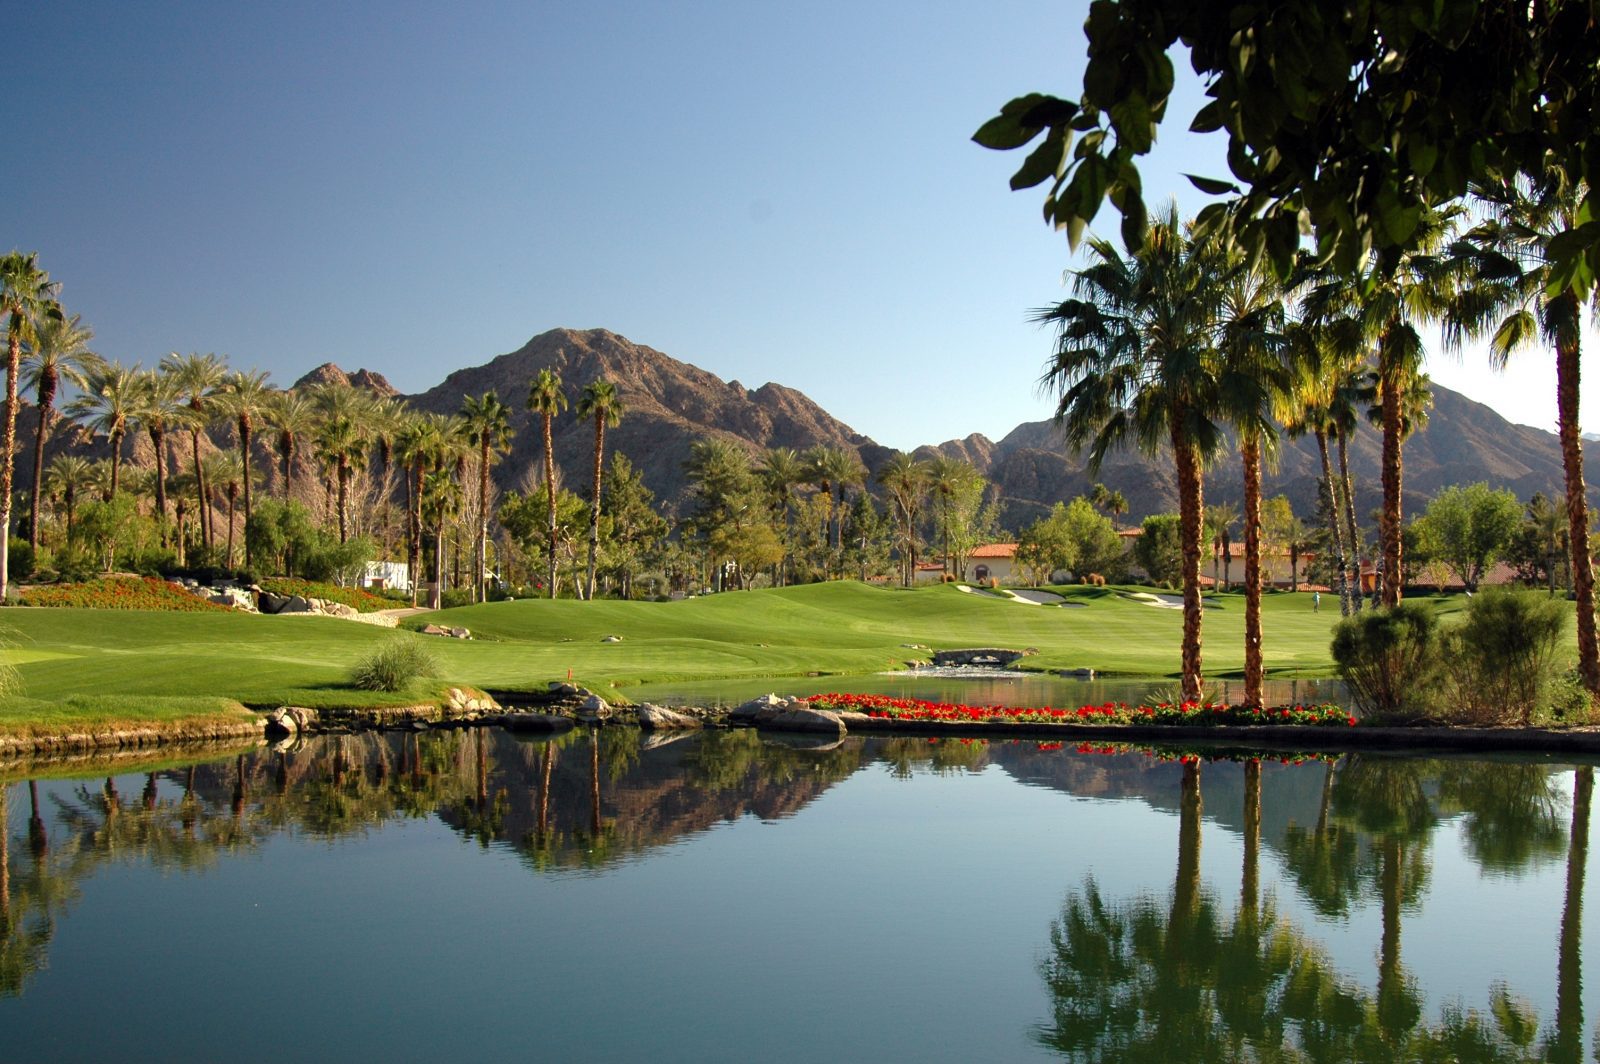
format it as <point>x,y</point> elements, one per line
<point>122,665</point>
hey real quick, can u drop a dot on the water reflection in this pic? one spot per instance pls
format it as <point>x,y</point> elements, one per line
<point>1172,970</point>
<point>1130,979</point>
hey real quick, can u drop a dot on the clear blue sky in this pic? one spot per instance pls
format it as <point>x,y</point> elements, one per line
<point>772,192</point>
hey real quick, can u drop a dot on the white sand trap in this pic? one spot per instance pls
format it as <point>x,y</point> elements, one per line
<point>980,591</point>
<point>1038,598</point>
<point>1165,602</point>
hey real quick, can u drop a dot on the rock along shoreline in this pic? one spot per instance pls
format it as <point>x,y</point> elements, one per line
<point>566,705</point>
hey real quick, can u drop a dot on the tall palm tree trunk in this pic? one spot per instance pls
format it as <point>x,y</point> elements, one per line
<point>342,475</point>
<point>47,396</point>
<point>8,454</point>
<point>232,496</point>
<point>1254,666</point>
<point>116,464</point>
<point>1353,558</point>
<point>1390,532</point>
<point>414,527</point>
<point>202,513</point>
<point>286,460</point>
<point>594,510</point>
<point>5,867</point>
<point>158,441</point>
<point>1577,512</point>
<point>1569,966</point>
<point>550,491</point>
<point>1191,507</point>
<point>436,597</point>
<point>480,583</point>
<point>1330,498</point>
<point>1186,885</point>
<point>245,432</point>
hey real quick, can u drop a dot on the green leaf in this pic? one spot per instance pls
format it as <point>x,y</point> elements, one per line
<point>1208,119</point>
<point>1213,187</point>
<point>1020,120</point>
<point>1134,221</point>
<point>1047,160</point>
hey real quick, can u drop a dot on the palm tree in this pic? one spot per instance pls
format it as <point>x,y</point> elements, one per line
<point>1252,375</point>
<point>386,417</point>
<point>1519,298</point>
<point>414,446</point>
<point>1219,518</point>
<point>1385,302</point>
<point>441,499</point>
<point>488,422</point>
<point>546,399</point>
<point>293,417</point>
<point>245,397</point>
<point>198,379</point>
<point>906,479</point>
<point>66,478</point>
<point>600,401</point>
<point>105,406</point>
<point>833,468</point>
<point>27,299</point>
<point>156,409</point>
<point>341,439</point>
<point>1135,359</point>
<point>227,470</point>
<point>781,469</point>
<point>59,352</point>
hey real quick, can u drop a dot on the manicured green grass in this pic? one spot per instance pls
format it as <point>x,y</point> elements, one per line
<point>150,659</point>
<point>20,715</point>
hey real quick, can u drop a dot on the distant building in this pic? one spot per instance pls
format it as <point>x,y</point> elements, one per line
<point>991,561</point>
<point>387,576</point>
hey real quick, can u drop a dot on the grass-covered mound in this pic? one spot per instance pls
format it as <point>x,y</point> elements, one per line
<point>180,716</point>
<point>121,593</point>
<point>354,597</point>
<point>1191,714</point>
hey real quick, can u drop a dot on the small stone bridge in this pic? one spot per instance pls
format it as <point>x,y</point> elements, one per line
<point>990,656</point>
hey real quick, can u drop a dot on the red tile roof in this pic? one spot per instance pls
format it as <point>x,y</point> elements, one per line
<point>995,550</point>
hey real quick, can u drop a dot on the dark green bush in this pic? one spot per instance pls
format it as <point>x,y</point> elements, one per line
<point>393,666</point>
<point>1390,659</point>
<point>20,560</point>
<point>1501,658</point>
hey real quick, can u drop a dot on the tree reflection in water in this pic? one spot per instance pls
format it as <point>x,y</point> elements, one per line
<point>1131,981</point>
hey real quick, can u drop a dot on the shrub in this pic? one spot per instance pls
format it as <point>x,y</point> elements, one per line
<point>121,593</point>
<point>393,666</point>
<point>1501,658</point>
<point>455,597</point>
<point>1390,659</point>
<point>20,560</point>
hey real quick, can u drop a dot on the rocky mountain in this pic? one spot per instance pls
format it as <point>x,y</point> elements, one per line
<point>667,404</point>
<point>1463,442</point>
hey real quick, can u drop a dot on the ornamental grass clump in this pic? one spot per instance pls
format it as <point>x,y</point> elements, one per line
<point>1390,658</point>
<point>393,666</point>
<point>1501,660</point>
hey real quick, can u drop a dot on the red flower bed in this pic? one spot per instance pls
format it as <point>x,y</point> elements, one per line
<point>1190,713</point>
<point>121,593</point>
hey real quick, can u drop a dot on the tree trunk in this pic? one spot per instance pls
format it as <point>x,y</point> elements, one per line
<point>594,510</point>
<point>414,526</point>
<point>480,582</point>
<point>47,397</point>
<point>596,823</point>
<point>1390,532</point>
<point>203,512</point>
<point>1191,507</point>
<point>245,431</point>
<point>286,454</point>
<point>436,598</point>
<point>1353,557</point>
<point>342,472</point>
<point>550,490</point>
<point>1568,1044</point>
<point>1254,666</point>
<point>1186,885</point>
<point>232,495</point>
<point>158,440</point>
<point>8,452</point>
<point>1330,498</point>
<point>1577,513</point>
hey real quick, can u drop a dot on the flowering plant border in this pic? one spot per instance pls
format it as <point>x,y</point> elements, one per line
<point>1191,714</point>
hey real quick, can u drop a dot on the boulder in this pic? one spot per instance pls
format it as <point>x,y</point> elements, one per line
<point>433,629</point>
<point>296,604</point>
<point>800,717</point>
<point>268,602</point>
<point>291,720</point>
<point>593,709</point>
<point>658,718</point>
<point>565,689</point>
<point>237,598</point>
<point>460,633</point>
<point>754,710</point>
<point>339,609</point>
<point>611,639</point>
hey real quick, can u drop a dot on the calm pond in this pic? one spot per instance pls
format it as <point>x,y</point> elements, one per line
<point>727,897</point>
